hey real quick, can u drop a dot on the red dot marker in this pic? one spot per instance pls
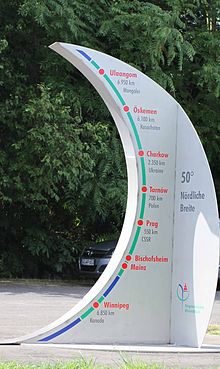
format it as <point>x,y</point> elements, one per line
<point>126,108</point>
<point>96,305</point>
<point>124,266</point>
<point>144,189</point>
<point>128,257</point>
<point>140,222</point>
<point>101,71</point>
<point>141,153</point>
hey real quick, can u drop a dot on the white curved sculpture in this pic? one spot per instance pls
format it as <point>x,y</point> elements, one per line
<point>159,286</point>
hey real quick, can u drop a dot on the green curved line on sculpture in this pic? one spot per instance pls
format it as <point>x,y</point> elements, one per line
<point>143,200</point>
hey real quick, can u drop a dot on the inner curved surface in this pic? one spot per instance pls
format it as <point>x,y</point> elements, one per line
<point>132,201</point>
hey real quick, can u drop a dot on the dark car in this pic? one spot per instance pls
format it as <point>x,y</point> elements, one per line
<point>95,258</point>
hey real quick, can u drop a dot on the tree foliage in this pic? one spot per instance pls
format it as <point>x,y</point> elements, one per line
<point>62,170</point>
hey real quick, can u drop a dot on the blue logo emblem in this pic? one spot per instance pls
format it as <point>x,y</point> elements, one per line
<point>182,293</point>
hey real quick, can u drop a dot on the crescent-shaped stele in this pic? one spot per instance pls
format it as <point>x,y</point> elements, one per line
<point>159,286</point>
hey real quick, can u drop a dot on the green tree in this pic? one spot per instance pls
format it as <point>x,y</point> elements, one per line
<point>62,170</point>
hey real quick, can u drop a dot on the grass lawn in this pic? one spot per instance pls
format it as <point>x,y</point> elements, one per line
<point>214,329</point>
<point>80,364</point>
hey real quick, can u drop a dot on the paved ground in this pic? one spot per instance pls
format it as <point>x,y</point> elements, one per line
<point>32,306</point>
<point>26,307</point>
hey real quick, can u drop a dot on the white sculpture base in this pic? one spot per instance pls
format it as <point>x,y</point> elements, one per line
<point>121,348</point>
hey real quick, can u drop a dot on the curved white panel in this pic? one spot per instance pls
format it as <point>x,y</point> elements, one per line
<point>160,283</point>
<point>196,241</point>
